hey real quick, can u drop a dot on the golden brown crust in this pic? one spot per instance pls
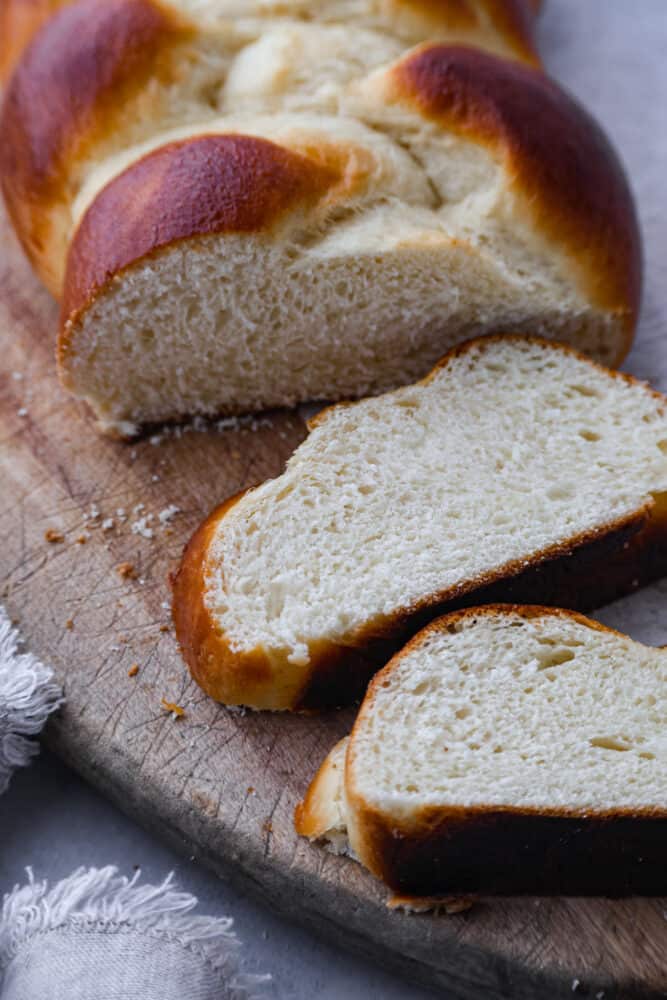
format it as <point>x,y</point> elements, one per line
<point>512,20</point>
<point>494,851</point>
<point>78,81</point>
<point>211,184</point>
<point>257,678</point>
<point>235,678</point>
<point>500,850</point>
<point>19,21</point>
<point>515,19</point>
<point>73,86</point>
<point>563,168</point>
<point>584,572</point>
<point>254,678</point>
<point>318,813</point>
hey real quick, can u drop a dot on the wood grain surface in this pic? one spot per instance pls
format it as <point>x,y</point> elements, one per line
<point>221,785</point>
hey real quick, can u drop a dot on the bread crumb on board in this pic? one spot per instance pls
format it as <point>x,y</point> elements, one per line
<point>449,905</point>
<point>168,513</point>
<point>177,711</point>
<point>53,536</point>
<point>200,424</point>
<point>140,526</point>
<point>69,624</point>
<point>134,670</point>
<point>126,570</point>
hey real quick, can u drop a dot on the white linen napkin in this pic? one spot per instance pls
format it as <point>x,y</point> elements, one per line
<point>28,694</point>
<point>97,935</point>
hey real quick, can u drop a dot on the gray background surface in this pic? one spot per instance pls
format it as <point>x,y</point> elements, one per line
<point>611,54</point>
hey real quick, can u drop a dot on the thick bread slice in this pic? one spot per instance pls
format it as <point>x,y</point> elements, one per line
<point>518,469</point>
<point>506,749</point>
<point>453,194</point>
<point>102,75</point>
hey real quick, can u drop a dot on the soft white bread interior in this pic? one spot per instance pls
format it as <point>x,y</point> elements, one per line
<point>488,724</point>
<point>513,450</point>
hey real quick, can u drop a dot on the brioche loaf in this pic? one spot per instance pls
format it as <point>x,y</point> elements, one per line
<point>243,206</point>
<point>516,470</point>
<point>506,749</point>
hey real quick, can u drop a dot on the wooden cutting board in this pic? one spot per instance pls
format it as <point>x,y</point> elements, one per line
<point>221,785</point>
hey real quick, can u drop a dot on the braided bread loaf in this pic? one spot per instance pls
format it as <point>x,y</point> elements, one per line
<point>251,203</point>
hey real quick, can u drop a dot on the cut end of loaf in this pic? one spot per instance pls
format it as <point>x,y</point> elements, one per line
<point>427,185</point>
<point>429,203</point>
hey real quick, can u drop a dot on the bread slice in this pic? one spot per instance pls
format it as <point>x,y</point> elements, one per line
<point>506,749</point>
<point>517,470</point>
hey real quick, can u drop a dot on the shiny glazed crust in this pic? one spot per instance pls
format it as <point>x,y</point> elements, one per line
<point>490,850</point>
<point>512,19</point>
<point>73,87</point>
<point>88,68</point>
<point>568,181</point>
<point>581,572</point>
<point>563,168</point>
<point>93,65</point>
<point>211,184</point>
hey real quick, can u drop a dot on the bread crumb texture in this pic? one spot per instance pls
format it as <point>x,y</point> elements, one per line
<point>494,707</point>
<point>176,711</point>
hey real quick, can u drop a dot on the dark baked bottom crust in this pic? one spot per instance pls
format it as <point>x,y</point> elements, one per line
<point>503,849</point>
<point>496,852</point>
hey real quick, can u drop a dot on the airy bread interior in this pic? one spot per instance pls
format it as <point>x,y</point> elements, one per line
<point>521,710</point>
<point>497,708</point>
<point>182,333</point>
<point>511,447</point>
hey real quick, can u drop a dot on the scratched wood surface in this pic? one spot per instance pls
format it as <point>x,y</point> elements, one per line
<point>221,785</point>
